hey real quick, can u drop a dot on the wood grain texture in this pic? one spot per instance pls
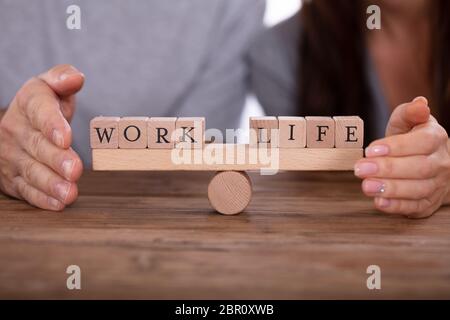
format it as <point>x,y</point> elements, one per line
<point>304,235</point>
<point>230,192</point>
<point>231,157</point>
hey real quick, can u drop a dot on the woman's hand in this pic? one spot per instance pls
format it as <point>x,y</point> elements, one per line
<point>36,161</point>
<point>408,172</point>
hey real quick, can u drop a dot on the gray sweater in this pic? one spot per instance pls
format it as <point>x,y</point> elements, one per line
<point>140,57</point>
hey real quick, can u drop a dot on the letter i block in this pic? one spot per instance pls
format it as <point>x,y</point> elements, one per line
<point>190,132</point>
<point>133,133</point>
<point>104,132</point>
<point>264,132</point>
<point>161,133</point>
<point>292,132</point>
<point>349,132</point>
<point>320,132</point>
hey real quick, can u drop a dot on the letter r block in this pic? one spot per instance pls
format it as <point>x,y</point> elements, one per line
<point>320,132</point>
<point>104,132</point>
<point>161,133</point>
<point>133,133</point>
<point>190,132</point>
<point>349,132</point>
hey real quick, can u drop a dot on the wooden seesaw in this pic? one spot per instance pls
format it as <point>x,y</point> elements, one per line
<point>177,144</point>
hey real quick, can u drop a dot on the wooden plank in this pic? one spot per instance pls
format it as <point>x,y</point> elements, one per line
<point>219,157</point>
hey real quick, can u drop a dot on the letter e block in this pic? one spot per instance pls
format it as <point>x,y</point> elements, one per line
<point>349,132</point>
<point>133,133</point>
<point>262,133</point>
<point>320,132</point>
<point>190,132</point>
<point>104,132</point>
<point>161,133</point>
<point>292,132</point>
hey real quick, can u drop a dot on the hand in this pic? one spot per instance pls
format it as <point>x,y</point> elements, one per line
<point>408,172</point>
<point>37,163</point>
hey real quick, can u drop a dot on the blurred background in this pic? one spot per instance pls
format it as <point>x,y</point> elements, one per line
<point>276,11</point>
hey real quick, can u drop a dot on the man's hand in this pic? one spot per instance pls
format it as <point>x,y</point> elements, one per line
<point>37,163</point>
<point>408,172</point>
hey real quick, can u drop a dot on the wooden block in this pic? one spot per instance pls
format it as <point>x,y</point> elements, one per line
<point>160,133</point>
<point>190,132</point>
<point>230,192</point>
<point>292,131</point>
<point>349,132</point>
<point>320,132</point>
<point>238,158</point>
<point>262,133</point>
<point>133,133</point>
<point>104,133</point>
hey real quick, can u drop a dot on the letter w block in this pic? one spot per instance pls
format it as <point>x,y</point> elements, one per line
<point>104,132</point>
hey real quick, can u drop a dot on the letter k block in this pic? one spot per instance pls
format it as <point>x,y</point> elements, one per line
<point>190,132</point>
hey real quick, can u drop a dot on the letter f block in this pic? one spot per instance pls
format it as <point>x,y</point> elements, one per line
<point>320,132</point>
<point>104,133</point>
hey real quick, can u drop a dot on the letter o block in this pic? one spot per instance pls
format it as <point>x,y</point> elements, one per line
<point>349,132</point>
<point>320,132</point>
<point>133,133</point>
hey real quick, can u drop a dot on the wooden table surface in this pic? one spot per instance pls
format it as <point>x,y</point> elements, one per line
<point>154,235</point>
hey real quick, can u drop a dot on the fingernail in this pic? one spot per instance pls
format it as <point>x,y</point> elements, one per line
<point>55,204</point>
<point>69,72</point>
<point>423,99</point>
<point>377,151</point>
<point>58,138</point>
<point>365,169</point>
<point>67,167</point>
<point>62,190</point>
<point>373,186</point>
<point>383,202</point>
